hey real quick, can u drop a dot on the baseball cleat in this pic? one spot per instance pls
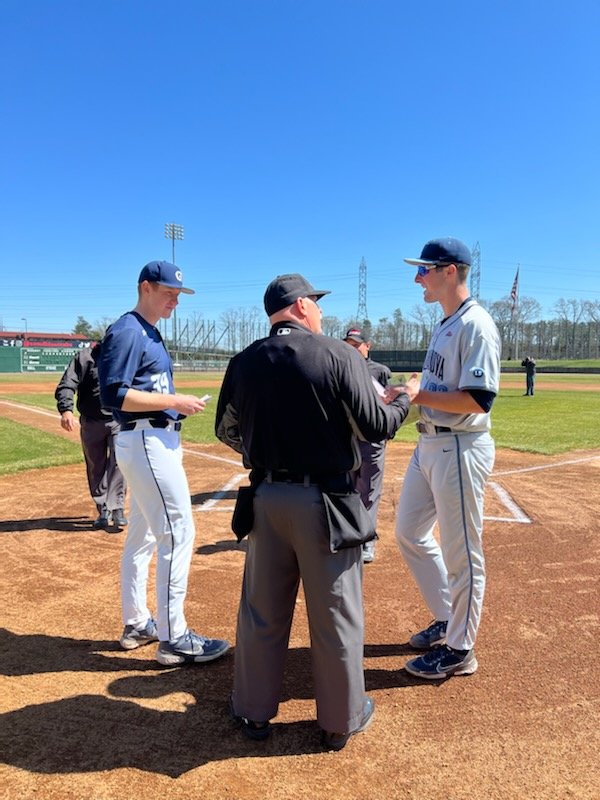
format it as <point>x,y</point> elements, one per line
<point>337,741</point>
<point>442,662</point>
<point>190,648</point>
<point>258,731</point>
<point>133,638</point>
<point>434,634</point>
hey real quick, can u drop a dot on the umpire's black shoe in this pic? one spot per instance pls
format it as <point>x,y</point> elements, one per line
<point>258,731</point>
<point>102,520</point>
<point>337,741</point>
<point>118,518</point>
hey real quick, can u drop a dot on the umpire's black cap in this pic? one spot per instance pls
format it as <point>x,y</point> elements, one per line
<point>286,289</point>
<point>443,251</point>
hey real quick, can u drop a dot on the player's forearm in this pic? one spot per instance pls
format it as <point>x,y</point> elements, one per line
<point>459,402</point>
<point>136,400</point>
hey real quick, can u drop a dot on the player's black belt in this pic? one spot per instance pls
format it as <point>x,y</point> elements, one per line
<point>154,423</point>
<point>423,428</point>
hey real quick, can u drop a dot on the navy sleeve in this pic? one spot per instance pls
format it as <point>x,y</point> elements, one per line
<point>483,398</point>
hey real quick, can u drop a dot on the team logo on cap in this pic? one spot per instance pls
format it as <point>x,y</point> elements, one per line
<point>179,276</point>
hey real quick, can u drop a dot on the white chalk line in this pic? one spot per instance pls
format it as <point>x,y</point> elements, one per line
<point>518,515</point>
<point>55,415</point>
<point>209,505</point>
<point>547,466</point>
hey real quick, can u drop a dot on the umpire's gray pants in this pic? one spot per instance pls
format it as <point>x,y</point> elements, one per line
<point>290,541</point>
<point>106,482</point>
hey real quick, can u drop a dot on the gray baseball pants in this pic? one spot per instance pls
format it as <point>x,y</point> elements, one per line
<point>289,543</point>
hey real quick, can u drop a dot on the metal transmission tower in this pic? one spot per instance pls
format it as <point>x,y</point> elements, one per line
<point>173,232</point>
<point>475,270</point>
<point>361,314</point>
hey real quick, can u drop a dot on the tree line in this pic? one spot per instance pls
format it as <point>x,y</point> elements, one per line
<point>572,332</point>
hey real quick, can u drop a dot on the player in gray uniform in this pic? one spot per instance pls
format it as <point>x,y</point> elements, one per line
<point>136,382</point>
<point>368,478</point>
<point>446,477</point>
<point>293,404</point>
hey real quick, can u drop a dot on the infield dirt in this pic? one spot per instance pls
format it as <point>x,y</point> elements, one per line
<point>81,718</point>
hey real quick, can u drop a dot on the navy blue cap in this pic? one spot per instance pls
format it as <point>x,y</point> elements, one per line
<point>286,289</point>
<point>443,251</point>
<point>166,274</point>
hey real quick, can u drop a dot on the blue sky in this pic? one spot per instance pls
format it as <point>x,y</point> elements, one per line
<point>293,135</point>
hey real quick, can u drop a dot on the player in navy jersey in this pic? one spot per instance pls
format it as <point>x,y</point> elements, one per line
<point>136,383</point>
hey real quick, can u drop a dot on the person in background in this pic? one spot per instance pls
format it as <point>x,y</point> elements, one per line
<point>368,478</point>
<point>98,430</point>
<point>529,364</point>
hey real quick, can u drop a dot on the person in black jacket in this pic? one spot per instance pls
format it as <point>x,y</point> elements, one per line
<point>294,405</point>
<point>368,478</point>
<point>98,431</point>
<point>529,364</point>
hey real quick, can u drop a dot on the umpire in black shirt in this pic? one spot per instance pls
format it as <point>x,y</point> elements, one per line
<point>294,404</point>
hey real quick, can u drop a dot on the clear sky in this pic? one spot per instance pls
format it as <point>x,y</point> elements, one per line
<point>293,135</point>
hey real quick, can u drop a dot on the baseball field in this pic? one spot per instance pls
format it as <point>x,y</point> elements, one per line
<point>81,718</point>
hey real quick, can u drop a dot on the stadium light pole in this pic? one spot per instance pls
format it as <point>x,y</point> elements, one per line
<point>174,232</point>
<point>25,321</point>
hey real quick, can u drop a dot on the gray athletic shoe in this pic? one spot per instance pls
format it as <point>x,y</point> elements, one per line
<point>434,634</point>
<point>133,638</point>
<point>190,648</point>
<point>368,552</point>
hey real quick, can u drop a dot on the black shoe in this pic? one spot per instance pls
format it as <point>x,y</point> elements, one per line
<point>258,731</point>
<point>337,741</point>
<point>102,520</point>
<point>118,518</point>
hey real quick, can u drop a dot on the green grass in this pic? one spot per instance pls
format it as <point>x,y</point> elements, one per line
<point>28,448</point>
<point>553,421</point>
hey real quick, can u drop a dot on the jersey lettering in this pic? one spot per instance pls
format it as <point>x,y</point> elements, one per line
<point>160,382</point>
<point>434,363</point>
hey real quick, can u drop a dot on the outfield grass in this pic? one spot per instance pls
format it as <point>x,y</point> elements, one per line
<point>553,421</point>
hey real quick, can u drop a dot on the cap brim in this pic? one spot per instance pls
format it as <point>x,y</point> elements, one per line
<point>319,293</point>
<point>420,262</point>
<point>182,289</point>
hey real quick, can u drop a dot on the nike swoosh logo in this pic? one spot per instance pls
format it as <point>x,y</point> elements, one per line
<point>446,451</point>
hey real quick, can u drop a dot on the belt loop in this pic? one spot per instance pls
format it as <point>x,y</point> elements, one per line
<point>269,476</point>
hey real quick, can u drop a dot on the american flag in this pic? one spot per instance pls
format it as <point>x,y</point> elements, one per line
<point>514,292</point>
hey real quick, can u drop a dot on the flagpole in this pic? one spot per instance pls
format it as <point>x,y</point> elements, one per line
<point>514,295</point>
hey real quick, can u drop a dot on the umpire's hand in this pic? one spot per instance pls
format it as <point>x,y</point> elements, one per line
<point>67,421</point>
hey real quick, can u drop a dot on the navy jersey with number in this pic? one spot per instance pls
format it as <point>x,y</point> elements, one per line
<point>134,357</point>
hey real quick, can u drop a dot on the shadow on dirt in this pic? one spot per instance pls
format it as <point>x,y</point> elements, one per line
<point>92,732</point>
<point>70,524</point>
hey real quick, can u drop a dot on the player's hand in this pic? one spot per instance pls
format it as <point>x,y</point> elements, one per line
<point>189,404</point>
<point>67,421</point>
<point>411,388</point>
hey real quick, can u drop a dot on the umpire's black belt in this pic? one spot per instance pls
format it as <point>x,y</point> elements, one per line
<point>423,427</point>
<point>153,423</point>
<point>305,478</point>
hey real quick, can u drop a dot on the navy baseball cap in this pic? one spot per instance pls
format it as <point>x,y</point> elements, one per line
<point>443,251</point>
<point>355,335</point>
<point>286,289</point>
<point>164,273</point>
